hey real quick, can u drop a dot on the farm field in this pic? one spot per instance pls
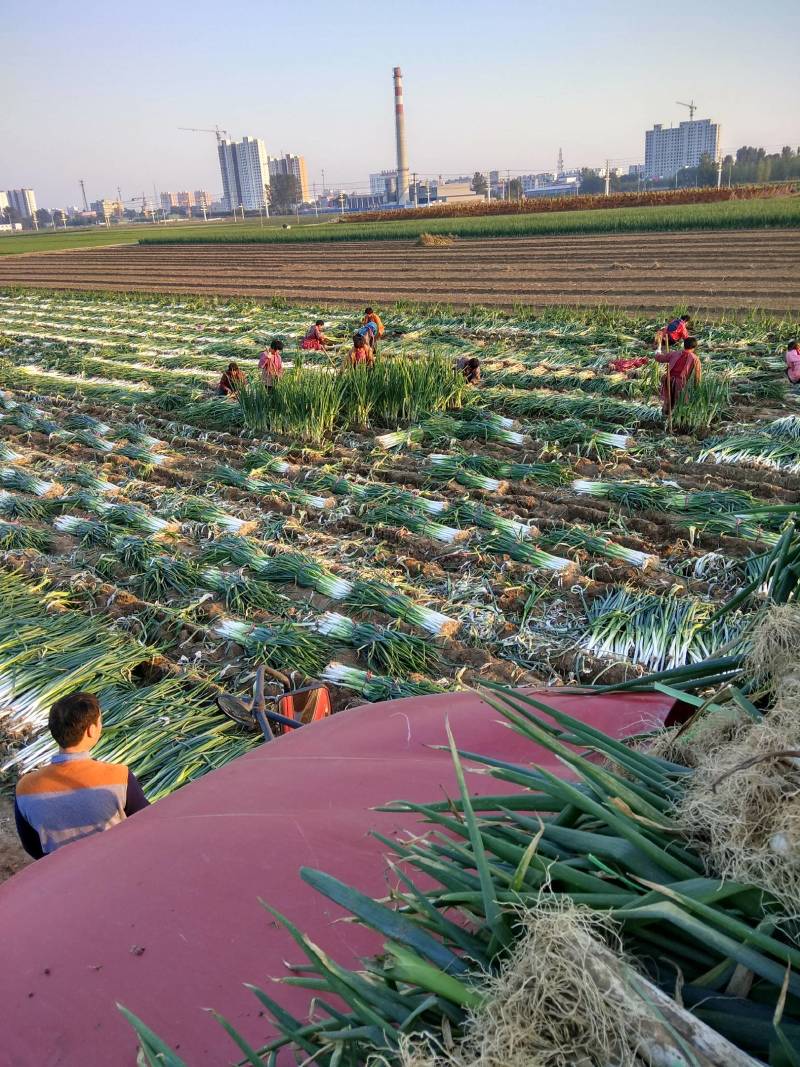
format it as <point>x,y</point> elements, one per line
<point>543,528</point>
<point>59,240</point>
<point>738,214</point>
<point>713,271</point>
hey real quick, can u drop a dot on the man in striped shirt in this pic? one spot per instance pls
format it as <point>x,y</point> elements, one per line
<point>74,795</point>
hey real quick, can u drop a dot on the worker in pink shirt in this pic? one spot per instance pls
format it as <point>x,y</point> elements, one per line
<point>792,358</point>
<point>270,364</point>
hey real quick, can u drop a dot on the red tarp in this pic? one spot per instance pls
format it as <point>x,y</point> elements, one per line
<point>161,913</point>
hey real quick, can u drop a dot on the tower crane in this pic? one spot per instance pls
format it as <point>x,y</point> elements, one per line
<point>691,106</point>
<point>205,129</point>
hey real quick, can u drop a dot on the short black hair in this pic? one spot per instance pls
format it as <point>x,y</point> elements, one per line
<point>359,341</point>
<point>690,342</point>
<point>276,344</point>
<point>686,318</point>
<point>232,367</point>
<point>368,311</point>
<point>792,346</point>
<point>473,363</point>
<point>71,716</point>
<point>320,322</point>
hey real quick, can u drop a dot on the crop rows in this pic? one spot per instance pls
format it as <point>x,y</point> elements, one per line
<point>544,530</point>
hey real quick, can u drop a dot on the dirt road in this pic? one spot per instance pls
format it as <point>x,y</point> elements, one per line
<point>713,270</point>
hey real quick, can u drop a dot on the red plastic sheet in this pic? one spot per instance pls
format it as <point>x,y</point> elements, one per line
<point>161,913</point>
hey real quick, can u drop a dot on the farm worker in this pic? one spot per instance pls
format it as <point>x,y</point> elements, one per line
<point>315,340</point>
<point>73,796</point>
<point>369,331</point>
<point>270,364</point>
<point>792,358</point>
<point>677,330</point>
<point>682,364</point>
<point>362,353</point>
<point>231,379</point>
<point>372,316</point>
<point>470,367</point>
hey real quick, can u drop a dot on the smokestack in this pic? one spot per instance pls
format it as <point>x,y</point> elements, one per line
<point>400,130</point>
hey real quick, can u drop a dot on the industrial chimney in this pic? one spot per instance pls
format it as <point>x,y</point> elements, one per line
<point>400,130</point>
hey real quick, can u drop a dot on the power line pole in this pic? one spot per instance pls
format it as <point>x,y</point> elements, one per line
<point>508,185</point>
<point>608,176</point>
<point>719,171</point>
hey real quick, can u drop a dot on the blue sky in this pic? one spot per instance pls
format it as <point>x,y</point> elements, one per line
<point>96,90</point>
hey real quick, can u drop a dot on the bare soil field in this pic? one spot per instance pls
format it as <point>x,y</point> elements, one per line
<point>716,271</point>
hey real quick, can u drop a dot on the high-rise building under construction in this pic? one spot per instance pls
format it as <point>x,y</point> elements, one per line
<point>295,166</point>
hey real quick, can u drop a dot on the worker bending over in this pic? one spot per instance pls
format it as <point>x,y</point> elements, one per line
<point>74,796</point>
<point>315,340</point>
<point>683,364</point>
<point>677,330</point>
<point>231,380</point>
<point>361,354</point>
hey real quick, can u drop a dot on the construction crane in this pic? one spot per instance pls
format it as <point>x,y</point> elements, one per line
<point>83,194</point>
<point>206,129</point>
<point>692,108</point>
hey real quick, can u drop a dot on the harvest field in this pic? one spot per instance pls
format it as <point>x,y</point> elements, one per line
<point>716,271</point>
<point>393,533</point>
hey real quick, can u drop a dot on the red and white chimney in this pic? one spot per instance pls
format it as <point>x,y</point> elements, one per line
<point>400,131</point>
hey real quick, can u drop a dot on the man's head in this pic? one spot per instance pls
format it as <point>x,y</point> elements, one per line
<point>75,722</point>
<point>690,343</point>
<point>686,318</point>
<point>276,345</point>
<point>233,367</point>
<point>320,322</point>
<point>359,341</point>
<point>792,346</point>
<point>368,311</point>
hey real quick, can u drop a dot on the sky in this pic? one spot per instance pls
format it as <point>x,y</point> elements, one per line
<point>97,91</point>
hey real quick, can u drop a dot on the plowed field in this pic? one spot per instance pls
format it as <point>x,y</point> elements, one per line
<point>714,271</point>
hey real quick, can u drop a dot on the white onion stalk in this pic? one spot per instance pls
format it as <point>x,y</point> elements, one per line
<point>394,439</point>
<point>332,624</point>
<point>589,488</point>
<point>614,440</point>
<point>234,630</point>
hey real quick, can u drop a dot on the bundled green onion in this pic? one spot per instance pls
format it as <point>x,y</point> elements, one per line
<point>8,455</point>
<point>469,511</point>
<point>374,492</point>
<point>284,646</point>
<point>597,545</point>
<point>80,421</point>
<point>203,510</point>
<point>166,574</point>
<point>87,531</point>
<point>89,439</point>
<point>294,567</point>
<point>393,651</point>
<point>13,478</point>
<point>13,536</point>
<point>20,507</point>
<point>389,514</point>
<point>134,517</point>
<point>452,468</point>
<point>375,687</point>
<point>786,427</point>
<point>659,632</point>
<point>523,552</point>
<point>142,455</point>
<point>238,593</point>
<point>239,551</point>
<point>369,595</point>
<point>261,460</point>
<point>133,552</point>
<point>85,477</point>
<point>136,435</point>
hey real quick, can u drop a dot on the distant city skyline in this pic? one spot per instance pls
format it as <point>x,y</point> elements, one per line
<point>101,98</point>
